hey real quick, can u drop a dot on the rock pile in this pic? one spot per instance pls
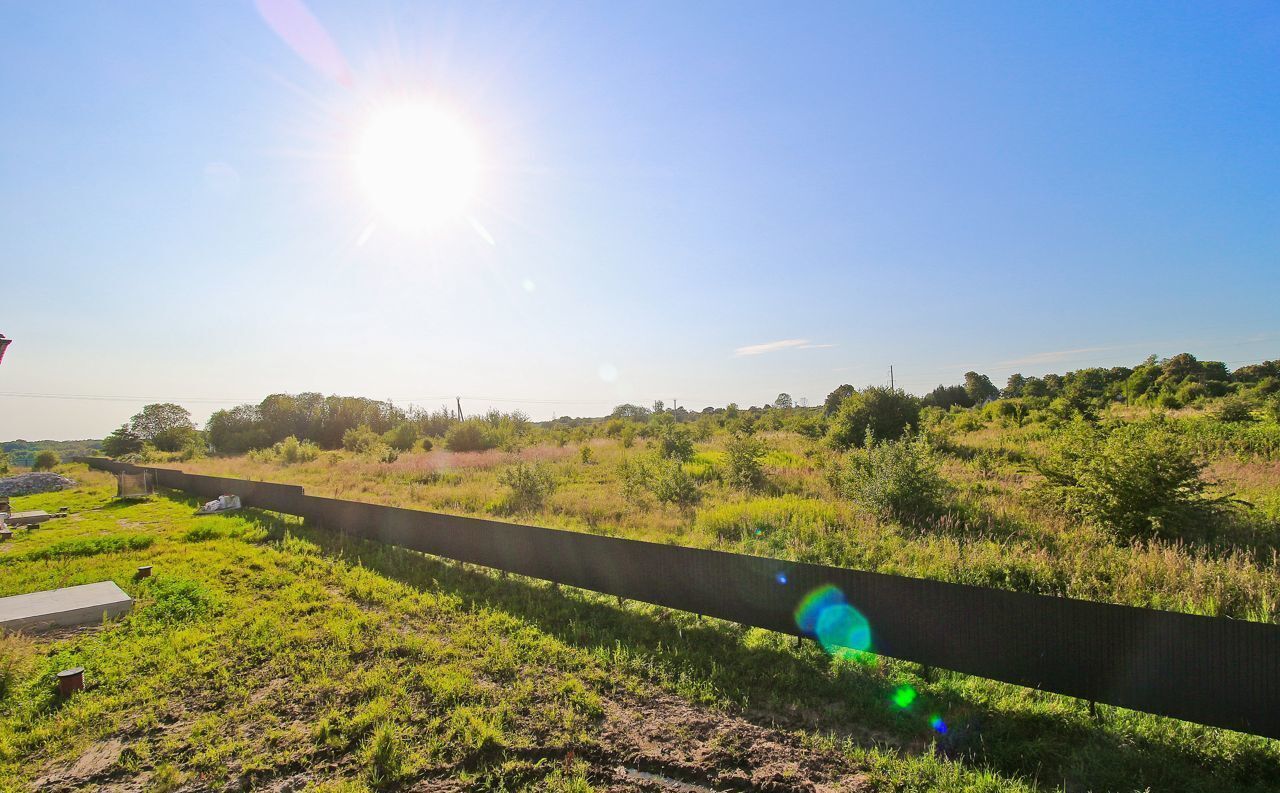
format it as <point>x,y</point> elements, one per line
<point>34,482</point>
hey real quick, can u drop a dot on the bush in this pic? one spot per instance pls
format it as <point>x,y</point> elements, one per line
<point>361,439</point>
<point>666,480</point>
<point>895,478</point>
<point>671,484</point>
<point>885,412</point>
<point>386,454</point>
<point>530,486</point>
<point>1234,409</point>
<point>636,477</point>
<point>403,437</point>
<point>45,460</point>
<point>287,452</point>
<point>675,442</point>
<point>291,450</point>
<point>742,463</point>
<point>585,454</point>
<point>1134,479</point>
<point>469,436</point>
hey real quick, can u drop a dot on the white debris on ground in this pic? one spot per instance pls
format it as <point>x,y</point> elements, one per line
<point>34,482</point>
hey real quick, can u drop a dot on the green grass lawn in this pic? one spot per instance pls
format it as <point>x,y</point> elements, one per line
<point>265,653</point>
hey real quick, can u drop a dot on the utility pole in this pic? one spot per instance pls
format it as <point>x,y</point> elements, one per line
<point>459,408</point>
<point>891,377</point>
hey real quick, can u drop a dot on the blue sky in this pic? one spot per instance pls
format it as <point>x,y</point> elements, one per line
<point>836,188</point>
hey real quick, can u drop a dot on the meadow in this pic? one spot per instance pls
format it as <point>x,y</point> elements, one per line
<point>265,653</point>
<point>270,653</point>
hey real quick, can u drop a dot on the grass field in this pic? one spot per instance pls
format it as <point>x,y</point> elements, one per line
<point>265,653</point>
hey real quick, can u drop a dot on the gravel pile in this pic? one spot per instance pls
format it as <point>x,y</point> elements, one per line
<point>34,482</point>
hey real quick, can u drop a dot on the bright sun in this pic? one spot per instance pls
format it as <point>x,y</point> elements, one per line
<point>419,166</point>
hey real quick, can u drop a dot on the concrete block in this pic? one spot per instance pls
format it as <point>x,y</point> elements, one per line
<point>73,605</point>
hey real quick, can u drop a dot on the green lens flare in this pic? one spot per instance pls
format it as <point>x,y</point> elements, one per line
<point>903,696</point>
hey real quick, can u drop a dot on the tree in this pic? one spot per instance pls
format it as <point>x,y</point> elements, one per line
<point>237,430</point>
<point>163,420</point>
<point>121,441</point>
<point>1014,387</point>
<point>979,388</point>
<point>45,460</point>
<point>783,401</point>
<point>832,403</point>
<point>945,396</point>
<point>886,412</point>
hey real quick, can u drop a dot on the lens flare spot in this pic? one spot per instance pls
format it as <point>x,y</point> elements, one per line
<point>843,631</point>
<point>812,604</point>
<point>939,726</point>
<point>903,696</point>
<point>781,578</point>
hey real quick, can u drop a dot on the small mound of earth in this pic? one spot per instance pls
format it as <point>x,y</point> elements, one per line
<point>34,482</point>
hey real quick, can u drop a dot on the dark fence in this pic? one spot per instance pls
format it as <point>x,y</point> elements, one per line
<point>1215,671</point>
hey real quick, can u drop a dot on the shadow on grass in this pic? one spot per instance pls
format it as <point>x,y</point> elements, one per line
<point>717,662</point>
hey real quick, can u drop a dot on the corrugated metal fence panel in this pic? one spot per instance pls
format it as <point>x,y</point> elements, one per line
<point>1214,671</point>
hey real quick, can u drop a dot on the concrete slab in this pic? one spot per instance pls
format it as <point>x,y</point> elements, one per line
<point>73,605</point>
<point>28,518</point>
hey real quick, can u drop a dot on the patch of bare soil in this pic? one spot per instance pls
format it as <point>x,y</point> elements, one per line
<point>666,744</point>
<point>94,764</point>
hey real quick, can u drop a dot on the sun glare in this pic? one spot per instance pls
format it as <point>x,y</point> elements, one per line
<point>419,166</point>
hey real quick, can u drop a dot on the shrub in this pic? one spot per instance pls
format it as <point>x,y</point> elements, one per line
<point>895,478</point>
<point>468,436</point>
<point>628,436</point>
<point>530,486</point>
<point>636,476</point>
<point>585,454</point>
<point>1134,479</point>
<point>45,460</point>
<point>742,463</point>
<point>4,462</point>
<point>385,454</point>
<point>675,442</point>
<point>403,437</point>
<point>361,439</point>
<point>666,480</point>
<point>671,484</point>
<point>1234,409</point>
<point>291,450</point>
<point>885,412</point>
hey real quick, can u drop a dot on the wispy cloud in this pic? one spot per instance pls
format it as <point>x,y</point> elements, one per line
<point>781,344</point>
<point>1054,356</point>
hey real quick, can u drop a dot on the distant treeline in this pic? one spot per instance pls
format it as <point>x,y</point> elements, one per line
<point>23,453</point>
<point>323,420</point>
<point>308,422</point>
<point>1170,383</point>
